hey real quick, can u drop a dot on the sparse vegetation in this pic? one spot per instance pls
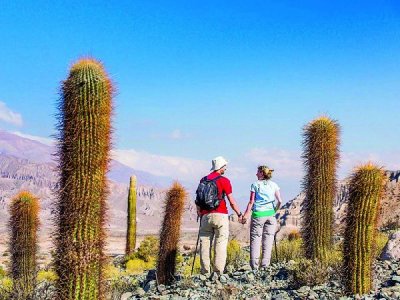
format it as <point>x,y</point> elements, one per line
<point>118,281</point>
<point>137,266</point>
<point>46,275</point>
<point>147,250</point>
<point>288,250</point>
<point>187,268</point>
<point>310,272</point>
<point>236,255</point>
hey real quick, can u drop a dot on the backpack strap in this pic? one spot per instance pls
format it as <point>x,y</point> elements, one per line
<point>203,179</point>
<point>214,179</point>
<point>223,193</point>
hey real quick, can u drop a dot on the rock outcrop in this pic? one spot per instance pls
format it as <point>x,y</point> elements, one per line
<point>290,214</point>
<point>392,248</point>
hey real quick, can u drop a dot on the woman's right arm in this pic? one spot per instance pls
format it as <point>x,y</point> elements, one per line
<point>249,207</point>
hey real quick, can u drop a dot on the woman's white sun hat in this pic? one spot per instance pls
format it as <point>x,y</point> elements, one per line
<point>218,163</point>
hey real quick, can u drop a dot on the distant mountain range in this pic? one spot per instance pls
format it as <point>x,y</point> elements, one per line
<point>36,152</point>
<point>30,165</point>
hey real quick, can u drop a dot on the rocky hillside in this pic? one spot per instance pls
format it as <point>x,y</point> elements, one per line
<point>290,213</point>
<point>17,174</point>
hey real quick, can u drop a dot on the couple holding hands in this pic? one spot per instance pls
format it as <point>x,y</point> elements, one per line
<point>264,201</point>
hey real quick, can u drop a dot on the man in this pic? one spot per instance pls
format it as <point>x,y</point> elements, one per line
<point>214,226</point>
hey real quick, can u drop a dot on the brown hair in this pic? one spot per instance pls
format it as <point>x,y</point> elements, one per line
<point>267,172</point>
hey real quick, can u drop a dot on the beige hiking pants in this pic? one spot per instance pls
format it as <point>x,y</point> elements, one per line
<point>214,229</point>
<point>262,232</point>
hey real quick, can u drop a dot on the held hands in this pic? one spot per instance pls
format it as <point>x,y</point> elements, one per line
<point>242,218</point>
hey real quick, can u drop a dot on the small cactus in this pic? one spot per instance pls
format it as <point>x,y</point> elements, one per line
<point>24,224</point>
<point>83,149</point>
<point>320,158</point>
<point>131,230</point>
<point>365,192</point>
<point>170,233</point>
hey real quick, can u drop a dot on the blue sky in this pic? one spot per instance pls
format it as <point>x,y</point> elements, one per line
<point>197,79</point>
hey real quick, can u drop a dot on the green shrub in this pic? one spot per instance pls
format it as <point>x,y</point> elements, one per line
<point>310,272</point>
<point>2,272</point>
<point>46,275</point>
<point>138,266</point>
<point>187,268</point>
<point>118,282</point>
<point>6,285</point>
<point>288,250</point>
<point>147,250</point>
<point>236,256</point>
<point>111,272</point>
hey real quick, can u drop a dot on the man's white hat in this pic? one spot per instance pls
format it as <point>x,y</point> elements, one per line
<point>218,163</point>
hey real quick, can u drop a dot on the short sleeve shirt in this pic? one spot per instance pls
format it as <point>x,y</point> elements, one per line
<point>224,188</point>
<point>264,199</point>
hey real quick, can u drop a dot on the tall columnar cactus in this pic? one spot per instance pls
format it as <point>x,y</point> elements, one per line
<point>131,231</point>
<point>24,223</point>
<point>170,232</point>
<point>320,159</point>
<point>83,149</point>
<point>365,192</point>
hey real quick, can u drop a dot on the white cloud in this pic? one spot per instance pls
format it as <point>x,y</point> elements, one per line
<point>285,163</point>
<point>389,160</point>
<point>43,140</point>
<point>7,115</point>
<point>162,165</point>
<point>176,134</point>
<point>241,170</point>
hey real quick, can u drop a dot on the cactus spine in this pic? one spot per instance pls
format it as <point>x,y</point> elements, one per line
<point>24,223</point>
<point>320,159</point>
<point>83,150</point>
<point>170,232</point>
<point>365,192</point>
<point>131,232</point>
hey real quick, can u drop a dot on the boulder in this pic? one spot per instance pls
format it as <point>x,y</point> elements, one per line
<point>392,248</point>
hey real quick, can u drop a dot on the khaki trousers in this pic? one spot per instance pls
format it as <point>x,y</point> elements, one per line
<point>214,229</point>
<point>262,231</point>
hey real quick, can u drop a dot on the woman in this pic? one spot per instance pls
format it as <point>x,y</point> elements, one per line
<point>265,200</point>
